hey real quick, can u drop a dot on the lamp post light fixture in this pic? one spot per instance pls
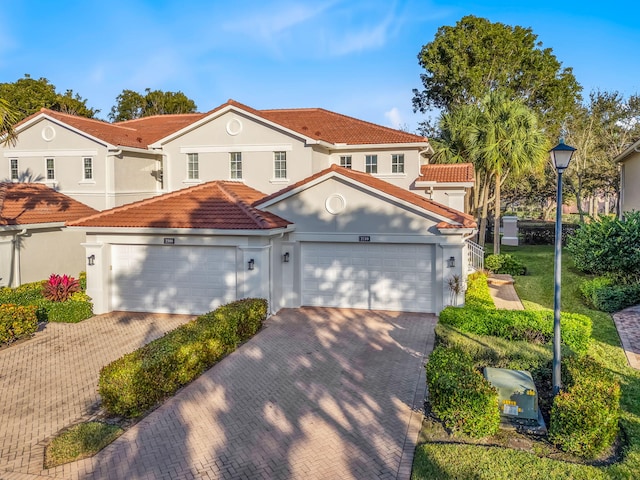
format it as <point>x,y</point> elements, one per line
<point>560,156</point>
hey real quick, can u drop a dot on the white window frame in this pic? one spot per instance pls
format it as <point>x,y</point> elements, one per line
<point>87,168</point>
<point>397,163</point>
<point>371,164</point>
<point>50,171</point>
<point>235,165</point>
<point>346,161</point>
<point>193,166</point>
<point>280,165</point>
<point>13,165</point>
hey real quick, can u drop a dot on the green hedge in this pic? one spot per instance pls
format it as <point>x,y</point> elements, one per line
<point>78,308</point>
<point>604,294</point>
<point>584,417</point>
<point>135,382</point>
<point>504,263</point>
<point>459,395</point>
<point>482,318</point>
<point>16,321</point>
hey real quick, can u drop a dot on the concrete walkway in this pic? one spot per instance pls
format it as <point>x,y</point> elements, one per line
<point>503,292</point>
<point>50,381</point>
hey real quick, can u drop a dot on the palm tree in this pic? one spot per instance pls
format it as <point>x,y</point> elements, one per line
<point>8,118</point>
<point>499,136</point>
<point>507,140</point>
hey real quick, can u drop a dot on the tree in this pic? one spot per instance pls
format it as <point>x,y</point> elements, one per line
<point>500,137</point>
<point>29,95</point>
<point>131,105</point>
<point>465,62</point>
<point>8,118</point>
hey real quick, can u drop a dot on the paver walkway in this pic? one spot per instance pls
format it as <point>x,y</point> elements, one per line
<point>50,381</point>
<point>628,324</point>
<point>317,394</point>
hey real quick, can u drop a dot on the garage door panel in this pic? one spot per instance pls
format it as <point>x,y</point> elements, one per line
<point>153,278</point>
<point>371,276</point>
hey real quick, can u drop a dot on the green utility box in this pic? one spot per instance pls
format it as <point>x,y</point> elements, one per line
<point>517,394</point>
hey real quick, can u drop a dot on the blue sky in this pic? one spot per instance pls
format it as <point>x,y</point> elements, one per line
<point>355,57</point>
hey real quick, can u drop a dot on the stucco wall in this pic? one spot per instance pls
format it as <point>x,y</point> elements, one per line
<point>232,132</point>
<point>135,177</point>
<point>631,183</point>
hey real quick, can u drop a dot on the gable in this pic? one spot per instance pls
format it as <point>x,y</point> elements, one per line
<point>337,206</point>
<point>45,135</point>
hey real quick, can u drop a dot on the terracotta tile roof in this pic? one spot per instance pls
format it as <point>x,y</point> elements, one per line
<point>447,173</point>
<point>31,203</point>
<point>214,205</point>
<point>459,219</point>
<point>156,127</point>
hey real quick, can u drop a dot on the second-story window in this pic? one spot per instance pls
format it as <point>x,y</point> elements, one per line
<point>279,164</point>
<point>397,163</point>
<point>193,168</point>
<point>88,168</point>
<point>345,161</point>
<point>51,170</point>
<point>236,165</point>
<point>371,164</point>
<point>14,169</point>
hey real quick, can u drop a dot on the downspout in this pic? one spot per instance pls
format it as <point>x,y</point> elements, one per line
<point>16,281</point>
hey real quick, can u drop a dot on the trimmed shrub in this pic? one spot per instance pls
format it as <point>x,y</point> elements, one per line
<point>26,294</point>
<point>612,298</point>
<point>478,294</point>
<point>584,417</point>
<point>543,233</point>
<point>74,310</point>
<point>459,395</point>
<point>135,382</point>
<point>16,321</point>
<point>529,325</point>
<point>504,263</point>
<point>588,288</point>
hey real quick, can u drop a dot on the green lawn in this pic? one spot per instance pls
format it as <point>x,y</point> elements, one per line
<point>461,461</point>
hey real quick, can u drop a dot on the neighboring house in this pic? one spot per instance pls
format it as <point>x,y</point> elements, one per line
<point>337,238</point>
<point>449,184</point>
<point>629,162</point>
<point>33,240</point>
<point>106,165</point>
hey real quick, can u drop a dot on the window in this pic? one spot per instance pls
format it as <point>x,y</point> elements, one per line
<point>280,165</point>
<point>371,164</point>
<point>397,163</point>
<point>14,169</point>
<point>193,170</point>
<point>51,171</point>
<point>236,165</point>
<point>345,161</point>
<point>88,168</point>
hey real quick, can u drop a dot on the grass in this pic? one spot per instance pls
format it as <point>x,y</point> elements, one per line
<point>80,441</point>
<point>461,461</point>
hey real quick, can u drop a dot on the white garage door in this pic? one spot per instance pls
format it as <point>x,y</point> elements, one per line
<point>172,279</point>
<point>371,276</point>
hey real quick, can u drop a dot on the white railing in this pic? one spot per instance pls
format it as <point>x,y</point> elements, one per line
<point>476,256</point>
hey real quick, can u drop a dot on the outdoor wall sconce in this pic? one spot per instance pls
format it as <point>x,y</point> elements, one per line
<point>451,263</point>
<point>91,259</point>
<point>251,264</point>
<point>285,257</point>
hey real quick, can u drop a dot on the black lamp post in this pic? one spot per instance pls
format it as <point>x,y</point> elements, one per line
<point>560,156</point>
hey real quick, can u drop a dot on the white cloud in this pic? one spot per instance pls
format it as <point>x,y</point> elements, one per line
<point>394,117</point>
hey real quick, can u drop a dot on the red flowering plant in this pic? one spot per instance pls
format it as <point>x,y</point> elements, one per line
<point>59,288</point>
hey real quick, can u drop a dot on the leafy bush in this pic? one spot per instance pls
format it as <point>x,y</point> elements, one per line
<point>16,322</point>
<point>26,294</point>
<point>59,288</point>
<point>609,246</point>
<point>529,325</point>
<point>584,417</point>
<point>135,382</point>
<point>74,310</point>
<point>543,233</point>
<point>604,294</point>
<point>459,395</point>
<point>588,288</point>
<point>478,294</point>
<point>504,263</point>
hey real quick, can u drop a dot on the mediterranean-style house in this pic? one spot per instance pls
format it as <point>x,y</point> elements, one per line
<point>105,165</point>
<point>629,162</point>
<point>299,206</point>
<point>34,242</point>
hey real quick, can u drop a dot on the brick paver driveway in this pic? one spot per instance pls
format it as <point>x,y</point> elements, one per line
<point>49,382</point>
<point>319,393</point>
